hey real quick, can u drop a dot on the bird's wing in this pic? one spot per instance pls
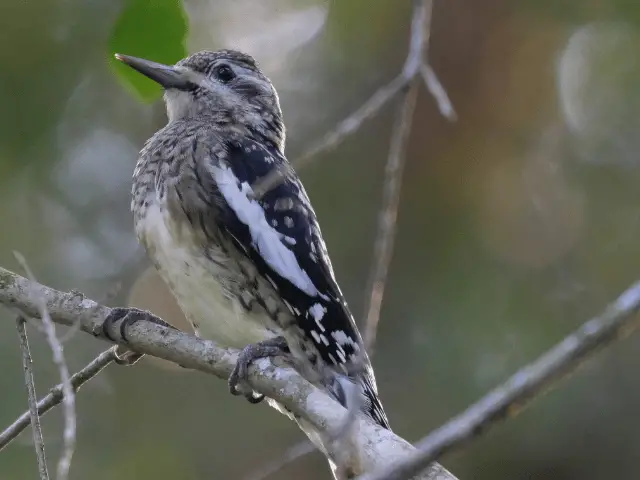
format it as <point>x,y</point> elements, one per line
<point>280,234</point>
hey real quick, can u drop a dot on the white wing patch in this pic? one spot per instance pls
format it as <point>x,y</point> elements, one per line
<point>265,238</point>
<point>343,340</point>
<point>289,240</point>
<point>317,311</point>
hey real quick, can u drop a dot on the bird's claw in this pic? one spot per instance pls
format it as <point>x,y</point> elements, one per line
<point>126,357</point>
<point>127,317</point>
<point>268,348</point>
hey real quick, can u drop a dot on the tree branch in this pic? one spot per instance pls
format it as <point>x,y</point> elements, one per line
<point>56,395</point>
<point>68,395</point>
<point>293,453</point>
<point>415,66</point>
<point>383,248</point>
<point>376,447</point>
<point>438,92</point>
<point>530,382</point>
<point>32,417</point>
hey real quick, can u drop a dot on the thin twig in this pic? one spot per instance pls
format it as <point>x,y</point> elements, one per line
<point>438,92</point>
<point>68,401</point>
<point>332,139</point>
<point>68,398</point>
<point>292,454</point>
<point>383,248</point>
<point>416,61</point>
<point>530,382</point>
<point>353,122</point>
<point>419,38</point>
<point>384,242</point>
<point>32,399</point>
<point>56,395</point>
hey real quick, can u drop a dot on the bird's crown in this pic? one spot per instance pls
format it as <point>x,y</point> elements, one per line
<point>205,60</point>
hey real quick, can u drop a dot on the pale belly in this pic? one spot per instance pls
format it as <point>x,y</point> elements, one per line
<point>198,285</point>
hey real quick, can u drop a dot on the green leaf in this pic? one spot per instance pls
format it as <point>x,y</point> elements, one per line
<point>151,29</point>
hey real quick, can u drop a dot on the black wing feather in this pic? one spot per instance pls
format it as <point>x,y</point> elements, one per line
<point>289,211</point>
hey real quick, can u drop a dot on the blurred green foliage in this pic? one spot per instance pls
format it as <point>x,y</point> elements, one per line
<point>151,29</point>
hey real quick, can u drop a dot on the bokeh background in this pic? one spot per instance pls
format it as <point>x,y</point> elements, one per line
<point>517,222</point>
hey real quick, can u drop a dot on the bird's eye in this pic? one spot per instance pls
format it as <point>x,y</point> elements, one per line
<point>224,73</point>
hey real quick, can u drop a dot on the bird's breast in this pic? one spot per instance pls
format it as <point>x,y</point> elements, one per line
<point>205,285</point>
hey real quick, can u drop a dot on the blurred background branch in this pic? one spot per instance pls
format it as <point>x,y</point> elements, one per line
<point>56,396</point>
<point>526,385</point>
<point>412,69</point>
<point>32,399</point>
<point>68,393</point>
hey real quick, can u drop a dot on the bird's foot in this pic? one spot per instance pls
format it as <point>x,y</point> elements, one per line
<point>127,317</point>
<point>268,348</point>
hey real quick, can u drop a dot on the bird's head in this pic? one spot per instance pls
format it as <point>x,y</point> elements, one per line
<point>226,85</point>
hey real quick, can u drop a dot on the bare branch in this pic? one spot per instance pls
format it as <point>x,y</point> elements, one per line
<point>438,92</point>
<point>69,433</point>
<point>375,445</point>
<point>510,398</point>
<point>32,398</point>
<point>419,39</point>
<point>293,453</point>
<point>383,248</point>
<point>68,398</point>
<point>345,128</point>
<point>55,395</point>
<point>353,122</point>
<point>418,44</point>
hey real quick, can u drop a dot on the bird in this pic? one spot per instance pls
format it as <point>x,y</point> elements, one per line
<point>250,270</point>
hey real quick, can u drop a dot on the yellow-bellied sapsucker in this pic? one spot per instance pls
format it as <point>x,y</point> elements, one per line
<point>248,272</point>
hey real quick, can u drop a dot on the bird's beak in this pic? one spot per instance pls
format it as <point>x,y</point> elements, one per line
<point>165,75</point>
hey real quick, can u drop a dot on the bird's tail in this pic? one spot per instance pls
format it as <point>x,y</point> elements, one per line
<point>359,392</point>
